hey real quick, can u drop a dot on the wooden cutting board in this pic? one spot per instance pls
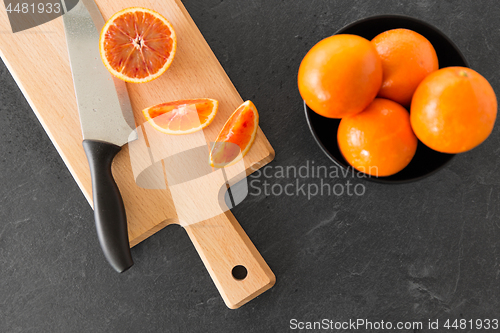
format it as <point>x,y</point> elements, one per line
<point>38,60</point>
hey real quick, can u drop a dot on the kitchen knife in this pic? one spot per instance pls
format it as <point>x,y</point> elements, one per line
<point>107,121</point>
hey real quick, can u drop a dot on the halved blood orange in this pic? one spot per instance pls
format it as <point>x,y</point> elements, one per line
<point>183,116</point>
<point>137,44</point>
<point>237,135</point>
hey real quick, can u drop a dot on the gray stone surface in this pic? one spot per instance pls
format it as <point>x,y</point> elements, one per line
<point>420,251</point>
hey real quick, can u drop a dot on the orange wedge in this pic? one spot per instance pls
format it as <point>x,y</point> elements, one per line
<point>137,44</point>
<point>183,116</point>
<point>237,135</point>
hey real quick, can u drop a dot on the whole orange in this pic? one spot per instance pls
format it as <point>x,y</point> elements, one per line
<point>378,141</point>
<point>453,110</point>
<point>340,76</point>
<point>407,58</point>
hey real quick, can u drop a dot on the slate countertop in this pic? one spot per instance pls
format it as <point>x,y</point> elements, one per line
<point>415,252</point>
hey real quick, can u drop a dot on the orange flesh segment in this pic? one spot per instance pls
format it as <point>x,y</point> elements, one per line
<point>237,129</point>
<point>224,153</point>
<point>138,44</point>
<point>237,134</point>
<point>182,115</point>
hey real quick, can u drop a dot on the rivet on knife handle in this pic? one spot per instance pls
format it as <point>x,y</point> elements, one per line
<point>109,211</point>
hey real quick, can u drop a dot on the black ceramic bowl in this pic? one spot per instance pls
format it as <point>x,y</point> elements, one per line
<point>426,161</point>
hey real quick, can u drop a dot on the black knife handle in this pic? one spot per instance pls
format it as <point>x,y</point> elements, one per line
<point>109,211</point>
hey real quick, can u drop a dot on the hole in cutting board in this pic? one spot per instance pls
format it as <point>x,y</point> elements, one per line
<point>239,272</point>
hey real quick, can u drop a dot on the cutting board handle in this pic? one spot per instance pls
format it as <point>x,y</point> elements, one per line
<point>236,267</point>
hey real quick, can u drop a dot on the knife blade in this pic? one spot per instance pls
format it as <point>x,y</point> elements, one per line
<point>107,122</point>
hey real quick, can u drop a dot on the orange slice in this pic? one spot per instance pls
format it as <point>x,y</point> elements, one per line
<point>137,44</point>
<point>183,116</point>
<point>237,135</point>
